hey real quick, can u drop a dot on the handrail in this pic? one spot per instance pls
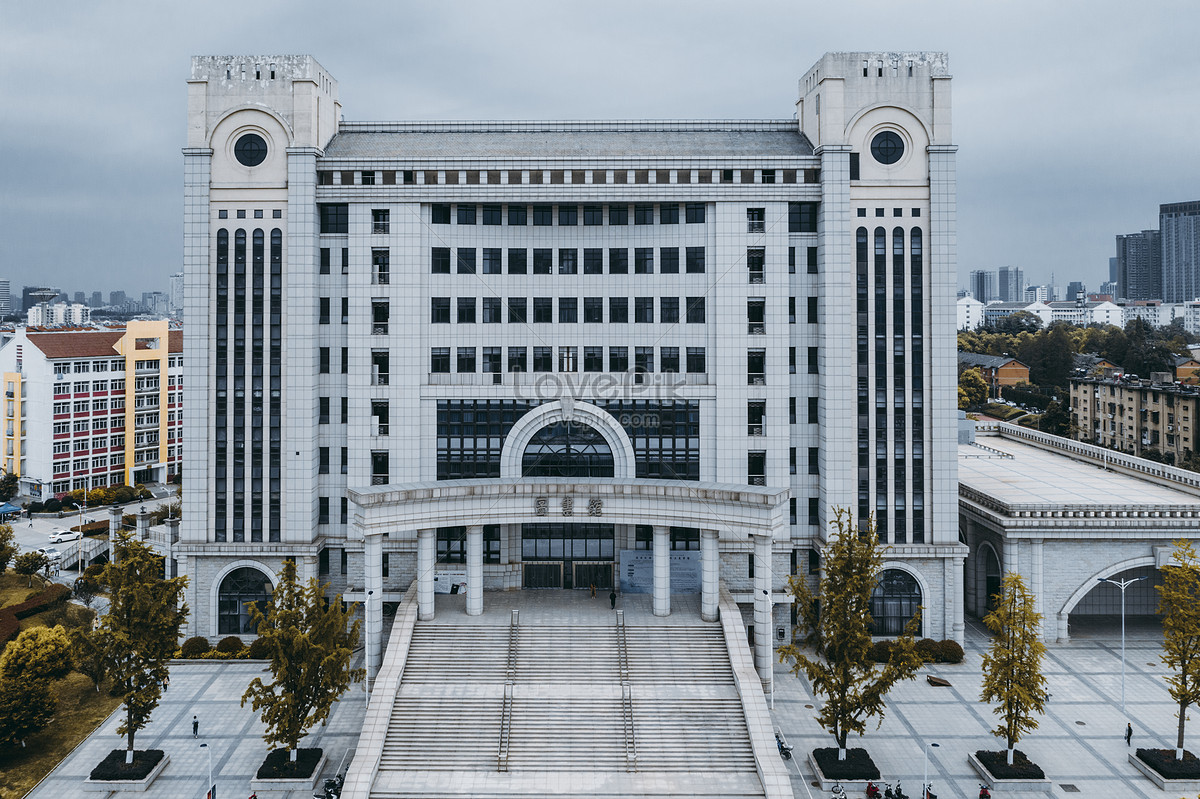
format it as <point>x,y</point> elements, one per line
<point>510,677</point>
<point>626,694</point>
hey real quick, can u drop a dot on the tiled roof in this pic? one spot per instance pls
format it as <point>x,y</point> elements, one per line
<point>989,361</point>
<point>570,140</point>
<point>89,343</point>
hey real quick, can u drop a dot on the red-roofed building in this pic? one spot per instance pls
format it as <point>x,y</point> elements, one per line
<point>91,407</point>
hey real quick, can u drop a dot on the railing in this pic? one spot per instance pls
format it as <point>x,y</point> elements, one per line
<point>626,695</point>
<point>382,278</point>
<point>754,430</point>
<point>756,328</point>
<point>757,277</point>
<point>382,429</point>
<point>379,479</point>
<point>756,379</point>
<point>755,226</point>
<point>380,227</point>
<point>757,480</point>
<point>379,379</point>
<point>510,677</point>
<point>379,329</point>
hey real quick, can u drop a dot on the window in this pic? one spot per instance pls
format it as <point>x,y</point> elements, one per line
<point>440,259</point>
<point>593,215</point>
<point>694,213</point>
<point>323,311</point>
<point>568,215</point>
<point>466,310</point>
<point>466,260</point>
<point>814,511</point>
<point>668,214</point>
<point>812,361</point>
<point>756,411</point>
<point>379,468</point>
<point>439,360</point>
<point>491,261</point>
<point>466,214</point>
<point>643,309</point>
<point>543,310</point>
<point>812,310</point>
<point>812,410</point>
<point>323,360</point>
<point>517,261</point>
<point>668,309</point>
<point>518,215</point>
<point>517,361</point>
<point>568,312</point>
<point>618,310</point>
<point>593,261</point>
<point>324,268</point>
<point>543,359</point>
<point>345,310</point>
<point>380,315</point>
<point>543,261</point>
<point>381,266</point>
<point>568,359</point>
<point>543,215</point>
<point>668,359</point>
<point>814,459</point>
<point>756,471</point>
<point>323,460</point>
<point>593,359</point>
<point>768,176</point>
<point>811,260</point>
<point>802,217</point>
<point>854,170</point>
<point>695,260</point>
<point>643,214</point>
<point>492,215</point>
<point>643,261</point>
<point>695,310</point>
<point>618,359</point>
<point>756,220</point>
<point>491,310</point>
<point>345,410</point>
<point>335,218</point>
<point>668,260</point>
<point>791,260</point>
<point>439,310</point>
<point>491,360</point>
<point>618,261</point>
<point>593,310</point>
<point>618,214</point>
<point>380,219</point>
<point>695,360</point>
<point>323,410</point>
<point>466,360</point>
<point>568,261</point>
<point>516,310</point>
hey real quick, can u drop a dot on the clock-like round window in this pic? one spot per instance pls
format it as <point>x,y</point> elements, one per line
<point>250,150</point>
<point>887,147</point>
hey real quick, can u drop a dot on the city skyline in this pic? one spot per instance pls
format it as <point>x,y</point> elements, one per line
<point>1034,118</point>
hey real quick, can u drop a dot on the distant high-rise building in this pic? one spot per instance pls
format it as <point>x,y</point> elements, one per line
<point>176,293</point>
<point>983,285</point>
<point>117,298</point>
<point>1112,269</point>
<point>1109,287</point>
<point>1011,284</point>
<point>1074,289</point>
<point>155,302</point>
<point>97,299</point>
<point>1037,294</point>
<point>80,297</point>
<point>5,299</point>
<point>1180,226</point>
<point>1139,266</point>
<point>28,300</point>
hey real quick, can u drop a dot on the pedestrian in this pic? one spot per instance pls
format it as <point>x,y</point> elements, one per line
<point>166,683</point>
<point>1128,734</point>
<point>195,727</point>
<point>612,599</point>
<point>593,587</point>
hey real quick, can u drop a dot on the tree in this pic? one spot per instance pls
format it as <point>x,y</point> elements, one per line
<point>1012,667</point>
<point>1179,604</point>
<point>1019,322</point>
<point>1057,420</point>
<point>139,633</point>
<point>839,633</point>
<point>27,666</point>
<point>8,486</point>
<point>8,546</point>
<point>87,656</point>
<point>972,388</point>
<point>310,642</point>
<point>85,589</point>
<point>30,563</point>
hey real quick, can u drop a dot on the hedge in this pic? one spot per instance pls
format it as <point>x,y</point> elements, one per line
<point>54,594</point>
<point>931,651</point>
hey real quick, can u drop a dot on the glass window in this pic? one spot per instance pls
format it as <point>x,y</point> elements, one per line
<point>695,360</point>
<point>440,213</point>
<point>668,310</point>
<point>568,215</point>
<point>516,310</point>
<point>695,310</point>
<point>543,310</point>
<point>643,260</point>
<point>543,261</point>
<point>466,214</point>
<point>466,260</point>
<point>517,361</point>
<point>593,261</point>
<point>668,214</point>
<point>695,260</point>
<point>618,310</point>
<point>618,214</point>
<point>695,213</point>
<point>643,214</point>
<point>643,309</point>
<point>517,261</point>
<point>543,359</point>
<point>593,215</point>
<point>618,359</point>
<point>618,261</point>
<point>568,310</point>
<point>518,215</point>
<point>466,359</point>
<point>568,261</point>
<point>440,258</point>
<point>439,360</point>
<point>593,310</point>
<point>668,260</point>
<point>466,310</point>
<point>491,310</point>
<point>335,218</point>
<point>593,359</point>
<point>491,260</point>
<point>492,215</point>
<point>668,359</point>
<point>543,215</point>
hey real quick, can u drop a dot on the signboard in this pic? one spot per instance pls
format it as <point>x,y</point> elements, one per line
<point>637,571</point>
<point>450,582</point>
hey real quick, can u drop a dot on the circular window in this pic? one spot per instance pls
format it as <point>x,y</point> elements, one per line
<point>250,150</point>
<point>887,147</point>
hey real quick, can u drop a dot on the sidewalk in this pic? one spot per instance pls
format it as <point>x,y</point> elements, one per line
<point>211,690</point>
<point>1079,743</point>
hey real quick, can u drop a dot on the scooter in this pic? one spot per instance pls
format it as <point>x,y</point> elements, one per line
<point>785,750</point>
<point>928,792</point>
<point>984,793</point>
<point>873,791</point>
<point>897,794</point>
<point>332,789</point>
<point>838,792</point>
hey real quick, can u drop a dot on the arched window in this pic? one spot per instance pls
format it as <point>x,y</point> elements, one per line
<point>239,588</point>
<point>567,449</point>
<point>896,598</point>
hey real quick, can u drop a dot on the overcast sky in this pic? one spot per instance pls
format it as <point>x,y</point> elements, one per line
<point>1071,118</point>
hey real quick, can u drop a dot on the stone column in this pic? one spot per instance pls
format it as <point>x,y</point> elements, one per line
<point>115,514</point>
<point>764,628</point>
<point>662,571</point>
<point>959,628</point>
<point>426,550</point>
<point>1011,559</point>
<point>710,574</point>
<point>1064,634</point>
<point>475,570</point>
<point>373,592</point>
<point>1035,583</point>
<point>143,524</point>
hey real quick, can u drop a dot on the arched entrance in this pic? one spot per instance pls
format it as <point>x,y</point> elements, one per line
<point>1098,612</point>
<point>567,449</point>
<point>991,577</point>
<point>239,588</point>
<point>895,600</point>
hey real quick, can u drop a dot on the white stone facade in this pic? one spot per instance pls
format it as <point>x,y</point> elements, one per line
<point>969,313</point>
<point>763,304</point>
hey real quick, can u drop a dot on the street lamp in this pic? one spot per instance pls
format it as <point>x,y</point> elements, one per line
<point>367,681</point>
<point>210,791</point>
<point>1122,584</point>
<point>925,781</point>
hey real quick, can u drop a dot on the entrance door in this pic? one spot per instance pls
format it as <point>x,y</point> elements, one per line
<point>582,552</point>
<point>597,574</point>
<point>543,575</point>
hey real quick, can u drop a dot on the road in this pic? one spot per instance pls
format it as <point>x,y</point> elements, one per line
<point>35,534</point>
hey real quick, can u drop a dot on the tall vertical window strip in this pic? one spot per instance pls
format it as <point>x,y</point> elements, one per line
<point>275,406</point>
<point>220,405</point>
<point>239,386</point>
<point>917,370</point>
<point>258,264</point>
<point>863,373</point>
<point>881,370</point>
<point>899,476</point>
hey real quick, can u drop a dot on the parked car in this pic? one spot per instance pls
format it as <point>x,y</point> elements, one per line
<point>52,554</point>
<point>59,536</point>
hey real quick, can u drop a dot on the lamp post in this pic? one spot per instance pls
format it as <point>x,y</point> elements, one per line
<point>367,650</point>
<point>210,790</point>
<point>925,780</point>
<point>1122,584</point>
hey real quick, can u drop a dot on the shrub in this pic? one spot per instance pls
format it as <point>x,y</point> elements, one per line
<point>129,521</point>
<point>54,595</point>
<point>52,506</point>
<point>113,766</point>
<point>230,645</point>
<point>94,571</point>
<point>278,764</point>
<point>92,528</point>
<point>927,648</point>
<point>122,495</point>
<point>949,651</point>
<point>34,507</point>
<point>880,651</point>
<point>259,649</point>
<point>195,646</point>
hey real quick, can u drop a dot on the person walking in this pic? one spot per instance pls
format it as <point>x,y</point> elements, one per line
<point>195,727</point>
<point>612,599</point>
<point>1128,734</point>
<point>166,683</point>
<point>593,589</point>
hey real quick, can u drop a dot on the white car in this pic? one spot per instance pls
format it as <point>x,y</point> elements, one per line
<point>52,554</point>
<point>59,536</point>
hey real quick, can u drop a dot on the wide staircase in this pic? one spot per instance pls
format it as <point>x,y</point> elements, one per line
<point>539,707</point>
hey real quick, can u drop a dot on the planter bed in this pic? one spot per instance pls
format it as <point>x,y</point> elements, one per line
<point>853,772</point>
<point>1024,775</point>
<point>309,763</point>
<point>1166,772</point>
<point>113,775</point>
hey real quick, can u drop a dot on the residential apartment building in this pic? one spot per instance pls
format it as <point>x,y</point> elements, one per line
<point>1139,267</point>
<point>1136,416</point>
<point>581,334</point>
<point>969,313</point>
<point>92,407</point>
<point>1179,235</point>
<point>60,313</point>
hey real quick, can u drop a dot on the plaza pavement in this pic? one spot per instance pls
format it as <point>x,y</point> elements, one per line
<point>1079,743</point>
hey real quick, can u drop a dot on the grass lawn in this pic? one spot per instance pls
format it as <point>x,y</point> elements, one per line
<point>80,707</point>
